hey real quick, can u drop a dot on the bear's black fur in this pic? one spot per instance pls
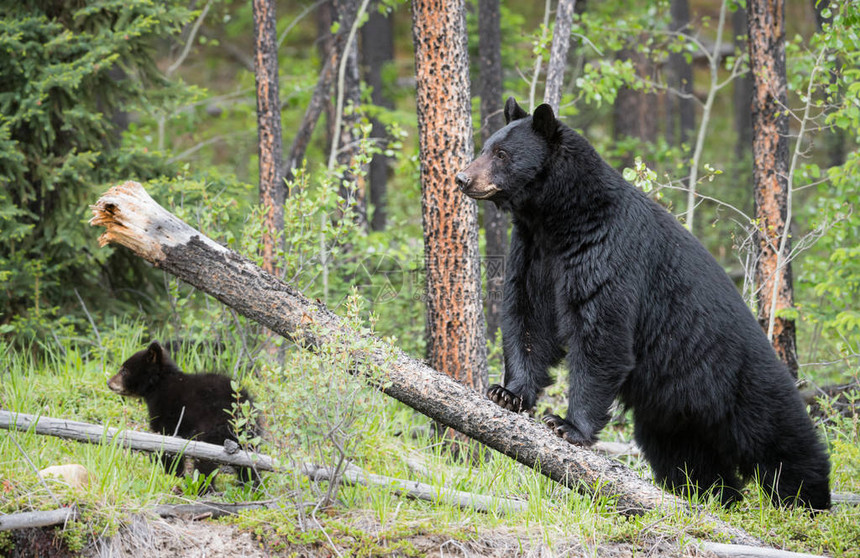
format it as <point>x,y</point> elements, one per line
<point>198,403</point>
<point>605,277</point>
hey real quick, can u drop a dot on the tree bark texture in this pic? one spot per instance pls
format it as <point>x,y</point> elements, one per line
<point>770,171</point>
<point>377,47</point>
<point>492,119</point>
<point>145,441</point>
<point>558,53</point>
<point>456,343</point>
<point>272,186</point>
<point>136,221</point>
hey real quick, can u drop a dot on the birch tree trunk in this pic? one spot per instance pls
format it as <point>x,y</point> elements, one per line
<point>272,187</point>
<point>455,330</point>
<point>558,53</point>
<point>770,174</point>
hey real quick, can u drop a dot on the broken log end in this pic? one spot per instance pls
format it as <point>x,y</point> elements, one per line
<point>134,220</point>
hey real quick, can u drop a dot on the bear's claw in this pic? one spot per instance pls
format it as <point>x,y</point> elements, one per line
<point>565,430</point>
<point>504,398</point>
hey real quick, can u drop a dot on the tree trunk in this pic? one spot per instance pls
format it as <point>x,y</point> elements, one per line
<point>272,187</point>
<point>742,92</point>
<point>134,220</point>
<point>558,53</point>
<point>635,116</point>
<point>348,88</point>
<point>681,79</point>
<point>770,174</point>
<point>455,334</point>
<point>492,119</point>
<point>331,48</point>
<point>377,46</point>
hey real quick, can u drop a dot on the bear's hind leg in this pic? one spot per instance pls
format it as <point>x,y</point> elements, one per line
<point>797,483</point>
<point>691,468</point>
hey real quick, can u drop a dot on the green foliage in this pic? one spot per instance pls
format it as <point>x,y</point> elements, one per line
<point>829,278</point>
<point>69,70</point>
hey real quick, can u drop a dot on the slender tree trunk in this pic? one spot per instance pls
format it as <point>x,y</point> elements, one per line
<point>348,90</point>
<point>558,53</point>
<point>328,50</point>
<point>331,48</point>
<point>742,93</point>
<point>272,187</point>
<point>770,173</point>
<point>492,119</point>
<point>682,78</point>
<point>634,110</point>
<point>378,50</point>
<point>455,333</point>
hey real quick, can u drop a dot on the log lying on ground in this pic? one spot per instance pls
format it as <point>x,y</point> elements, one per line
<point>418,490</point>
<point>26,520</point>
<point>144,441</point>
<point>134,220</point>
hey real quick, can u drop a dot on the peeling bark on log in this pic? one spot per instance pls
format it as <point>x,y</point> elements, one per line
<point>144,441</point>
<point>136,221</point>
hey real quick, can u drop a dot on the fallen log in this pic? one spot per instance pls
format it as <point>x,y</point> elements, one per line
<point>26,520</point>
<point>418,490</point>
<point>144,441</point>
<point>134,220</point>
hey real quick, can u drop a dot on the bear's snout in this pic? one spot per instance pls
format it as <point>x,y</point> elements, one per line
<point>462,180</point>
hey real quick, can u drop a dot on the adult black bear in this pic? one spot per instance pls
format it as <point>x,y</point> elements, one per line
<point>193,406</point>
<point>601,274</point>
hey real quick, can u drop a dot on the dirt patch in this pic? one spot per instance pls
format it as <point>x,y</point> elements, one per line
<point>210,539</point>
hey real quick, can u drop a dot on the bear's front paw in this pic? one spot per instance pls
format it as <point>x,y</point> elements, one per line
<point>504,398</point>
<point>565,430</point>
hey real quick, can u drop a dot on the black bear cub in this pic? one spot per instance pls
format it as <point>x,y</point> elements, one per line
<point>193,406</point>
<point>604,277</point>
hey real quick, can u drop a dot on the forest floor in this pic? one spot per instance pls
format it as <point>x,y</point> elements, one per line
<point>157,538</point>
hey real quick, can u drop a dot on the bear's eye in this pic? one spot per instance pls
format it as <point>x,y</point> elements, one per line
<point>501,155</point>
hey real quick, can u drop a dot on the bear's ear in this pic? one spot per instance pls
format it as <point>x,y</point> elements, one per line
<point>155,353</point>
<point>513,111</point>
<point>544,122</point>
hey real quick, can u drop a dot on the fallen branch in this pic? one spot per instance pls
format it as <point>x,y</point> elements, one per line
<point>418,490</point>
<point>207,510</point>
<point>25,520</point>
<point>134,220</point>
<point>144,441</point>
<point>745,551</point>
